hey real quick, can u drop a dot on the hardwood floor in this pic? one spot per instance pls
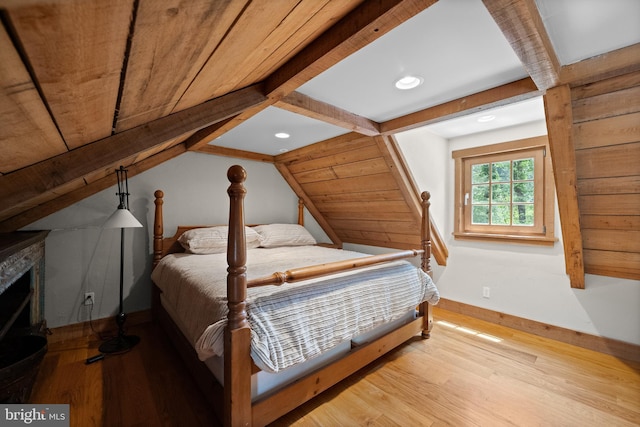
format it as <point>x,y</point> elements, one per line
<point>144,387</point>
<point>455,378</point>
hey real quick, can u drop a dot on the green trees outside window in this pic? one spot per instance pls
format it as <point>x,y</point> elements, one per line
<point>503,192</point>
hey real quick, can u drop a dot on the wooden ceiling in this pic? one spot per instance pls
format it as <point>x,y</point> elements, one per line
<point>89,85</point>
<point>360,191</point>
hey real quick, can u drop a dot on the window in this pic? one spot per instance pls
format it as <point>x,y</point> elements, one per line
<point>505,192</point>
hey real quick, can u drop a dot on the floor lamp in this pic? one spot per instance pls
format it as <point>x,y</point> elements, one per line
<point>122,218</point>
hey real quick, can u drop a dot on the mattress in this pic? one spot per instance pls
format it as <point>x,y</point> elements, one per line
<point>296,322</point>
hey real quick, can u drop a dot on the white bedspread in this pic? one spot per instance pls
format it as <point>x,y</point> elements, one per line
<point>296,321</point>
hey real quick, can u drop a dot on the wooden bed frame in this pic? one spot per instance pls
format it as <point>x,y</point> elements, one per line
<point>232,401</point>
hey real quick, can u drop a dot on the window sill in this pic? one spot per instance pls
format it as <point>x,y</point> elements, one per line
<point>508,238</point>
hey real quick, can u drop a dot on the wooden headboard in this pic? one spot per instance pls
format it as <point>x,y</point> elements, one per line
<point>163,246</point>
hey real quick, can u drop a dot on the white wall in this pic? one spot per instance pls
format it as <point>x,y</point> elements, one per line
<point>81,257</point>
<point>525,281</point>
<point>424,153</point>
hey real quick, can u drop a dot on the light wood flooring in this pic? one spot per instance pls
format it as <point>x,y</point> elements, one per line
<point>455,378</point>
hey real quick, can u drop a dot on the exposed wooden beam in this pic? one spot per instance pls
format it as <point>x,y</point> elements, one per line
<point>600,67</point>
<point>239,154</point>
<point>439,248</point>
<point>363,25</point>
<point>368,22</point>
<point>302,104</point>
<point>491,98</point>
<point>558,111</point>
<point>522,26</point>
<point>228,125</point>
<point>68,199</point>
<point>397,166</point>
<point>410,191</point>
<point>31,181</point>
<point>205,135</point>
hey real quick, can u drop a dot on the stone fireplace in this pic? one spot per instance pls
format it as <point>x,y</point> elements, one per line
<point>22,325</point>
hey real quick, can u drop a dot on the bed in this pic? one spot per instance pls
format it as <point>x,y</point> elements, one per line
<point>265,318</point>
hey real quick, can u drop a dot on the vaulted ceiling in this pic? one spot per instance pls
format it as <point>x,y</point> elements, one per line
<point>88,85</point>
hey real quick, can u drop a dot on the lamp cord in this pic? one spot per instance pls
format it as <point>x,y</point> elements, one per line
<point>97,333</point>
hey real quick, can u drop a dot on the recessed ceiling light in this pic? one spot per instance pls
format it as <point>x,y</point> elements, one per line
<point>282,135</point>
<point>487,118</point>
<point>409,82</point>
<point>283,150</point>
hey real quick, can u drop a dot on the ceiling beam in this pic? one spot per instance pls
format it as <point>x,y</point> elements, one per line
<point>491,98</point>
<point>559,114</point>
<point>238,154</point>
<point>27,183</point>
<point>29,216</point>
<point>439,247</point>
<point>600,67</point>
<point>205,135</point>
<point>363,25</point>
<point>410,191</point>
<point>522,26</point>
<point>304,105</point>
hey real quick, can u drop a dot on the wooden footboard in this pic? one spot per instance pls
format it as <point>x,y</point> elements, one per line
<point>236,402</point>
<point>237,359</point>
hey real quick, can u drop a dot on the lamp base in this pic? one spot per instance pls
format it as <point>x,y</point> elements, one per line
<point>119,344</point>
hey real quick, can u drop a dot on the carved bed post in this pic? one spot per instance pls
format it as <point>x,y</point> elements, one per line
<point>158,228</point>
<point>300,211</point>
<point>425,236</point>
<point>425,233</point>
<point>237,337</point>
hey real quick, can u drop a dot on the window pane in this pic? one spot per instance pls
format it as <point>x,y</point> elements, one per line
<point>500,215</point>
<point>480,194</point>
<point>480,215</point>
<point>523,192</point>
<point>500,193</point>
<point>523,169</point>
<point>501,171</point>
<point>522,214</point>
<point>480,173</point>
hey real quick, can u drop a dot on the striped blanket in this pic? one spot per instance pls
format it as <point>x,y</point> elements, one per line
<point>294,322</point>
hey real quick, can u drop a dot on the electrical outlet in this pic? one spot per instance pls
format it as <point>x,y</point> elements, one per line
<point>89,298</point>
<point>486,292</point>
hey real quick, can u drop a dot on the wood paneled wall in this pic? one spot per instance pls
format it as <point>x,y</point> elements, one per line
<point>358,189</point>
<point>606,134</point>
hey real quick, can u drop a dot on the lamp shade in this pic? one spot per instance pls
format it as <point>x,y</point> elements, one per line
<point>122,218</point>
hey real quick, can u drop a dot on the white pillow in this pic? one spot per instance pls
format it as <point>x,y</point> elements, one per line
<point>213,240</point>
<point>275,235</point>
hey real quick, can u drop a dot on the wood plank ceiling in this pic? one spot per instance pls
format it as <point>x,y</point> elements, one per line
<point>359,190</point>
<point>88,85</point>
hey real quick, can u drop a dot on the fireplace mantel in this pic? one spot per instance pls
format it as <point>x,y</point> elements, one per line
<point>21,280</point>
